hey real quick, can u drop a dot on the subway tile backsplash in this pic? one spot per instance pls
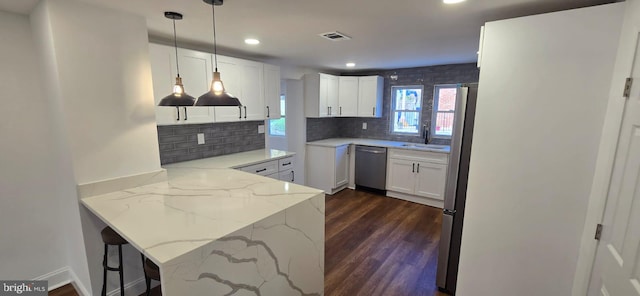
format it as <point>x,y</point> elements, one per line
<point>379,128</point>
<point>180,142</point>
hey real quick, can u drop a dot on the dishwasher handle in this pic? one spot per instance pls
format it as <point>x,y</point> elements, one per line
<point>371,151</point>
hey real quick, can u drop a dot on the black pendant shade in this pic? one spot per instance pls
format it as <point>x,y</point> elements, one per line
<point>179,98</point>
<point>217,95</point>
<point>175,100</point>
<point>221,99</point>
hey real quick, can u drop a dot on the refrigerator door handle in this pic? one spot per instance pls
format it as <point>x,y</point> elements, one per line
<point>449,212</point>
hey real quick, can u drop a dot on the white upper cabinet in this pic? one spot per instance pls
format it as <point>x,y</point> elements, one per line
<point>195,70</point>
<point>243,79</point>
<point>370,92</point>
<point>252,99</point>
<point>230,73</point>
<point>348,96</point>
<point>343,96</point>
<point>321,95</point>
<point>272,91</point>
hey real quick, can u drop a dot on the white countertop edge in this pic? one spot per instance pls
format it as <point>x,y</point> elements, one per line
<point>336,142</point>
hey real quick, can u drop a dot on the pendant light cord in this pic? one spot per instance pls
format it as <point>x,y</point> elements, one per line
<point>215,46</point>
<point>175,45</point>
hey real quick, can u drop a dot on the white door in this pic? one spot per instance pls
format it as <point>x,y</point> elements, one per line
<point>230,74</point>
<point>161,71</point>
<point>348,96</point>
<point>272,91</point>
<point>252,91</point>
<point>323,100</point>
<point>431,179</point>
<point>401,176</point>
<point>332,95</point>
<point>369,96</point>
<point>617,266</point>
<point>196,73</point>
<point>342,166</point>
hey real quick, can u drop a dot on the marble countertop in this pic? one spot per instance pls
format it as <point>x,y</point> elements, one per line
<point>335,142</point>
<point>202,201</point>
<point>235,160</point>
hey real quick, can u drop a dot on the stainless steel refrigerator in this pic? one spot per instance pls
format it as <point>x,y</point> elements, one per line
<point>456,188</point>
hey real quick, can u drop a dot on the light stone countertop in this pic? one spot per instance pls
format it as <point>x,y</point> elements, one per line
<point>202,201</point>
<point>335,142</point>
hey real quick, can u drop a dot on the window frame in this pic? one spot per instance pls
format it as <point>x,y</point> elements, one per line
<point>434,111</point>
<point>392,110</point>
<point>283,99</point>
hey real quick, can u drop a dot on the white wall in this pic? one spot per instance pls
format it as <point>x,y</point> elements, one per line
<point>544,84</point>
<point>97,74</point>
<point>105,82</point>
<point>33,240</point>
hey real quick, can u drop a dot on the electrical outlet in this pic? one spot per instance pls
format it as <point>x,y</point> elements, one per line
<point>261,129</point>
<point>364,125</point>
<point>200,139</point>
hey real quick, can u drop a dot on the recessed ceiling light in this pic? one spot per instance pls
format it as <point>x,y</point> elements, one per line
<point>351,65</point>
<point>252,41</point>
<point>452,1</point>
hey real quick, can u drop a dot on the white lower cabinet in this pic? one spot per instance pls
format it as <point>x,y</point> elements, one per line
<point>417,176</point>
<point>327,168</point>
<point>281,169</point>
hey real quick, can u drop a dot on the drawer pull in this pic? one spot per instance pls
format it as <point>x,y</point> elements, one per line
<point>288,163</point>
<point>261,170</point>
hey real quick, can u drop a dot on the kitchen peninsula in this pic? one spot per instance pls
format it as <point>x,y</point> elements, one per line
<point>216,230</point>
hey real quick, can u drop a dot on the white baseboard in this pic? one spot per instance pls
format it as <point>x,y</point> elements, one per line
<point>65,275</point>
<point>77,284</point>
<point>56,278</point>
<point>417,199</point>
<point>136,287</point>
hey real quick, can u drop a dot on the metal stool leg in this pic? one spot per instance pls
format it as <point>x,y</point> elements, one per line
<point>148,280</point>
<point>104,267</point>
<point>120,270</point>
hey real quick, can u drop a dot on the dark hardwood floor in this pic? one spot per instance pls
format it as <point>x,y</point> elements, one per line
<point>374,245</point>
<point>377,245</point>
<point>66,290</point>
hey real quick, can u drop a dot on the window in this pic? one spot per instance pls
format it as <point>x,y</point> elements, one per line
<point>277,127</point>
<point>405,109</point>
<point>444,108</point>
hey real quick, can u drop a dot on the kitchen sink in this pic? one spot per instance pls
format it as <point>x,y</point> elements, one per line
<point>425,146</point>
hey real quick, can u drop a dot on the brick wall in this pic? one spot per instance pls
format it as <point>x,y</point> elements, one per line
<point>379,128</point>
<point>179,142</point>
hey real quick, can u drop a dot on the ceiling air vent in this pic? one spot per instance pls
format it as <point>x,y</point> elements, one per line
<point>334,36</point>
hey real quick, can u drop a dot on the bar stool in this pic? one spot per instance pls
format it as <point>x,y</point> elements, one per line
<point>111,238</point>
<point>151,272</point>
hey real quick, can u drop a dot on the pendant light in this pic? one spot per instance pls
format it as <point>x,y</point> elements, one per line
<point>217,95</point>
<point>178,98</point>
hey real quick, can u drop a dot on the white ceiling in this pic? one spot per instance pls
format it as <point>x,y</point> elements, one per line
<point>386,34</point>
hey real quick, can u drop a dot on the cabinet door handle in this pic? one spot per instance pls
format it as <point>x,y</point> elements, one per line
<point>374,111</point>
<point>245,112</point>
<point>340,110</point>
<point>268,112</point>
<point>261,170</point>
<point>418,170</point>
<point>178,111</point>
<point>185,113</point>
<point>328,111</point>
<point>240,111</point>
<point>293,176</point>
<point>413,170</point>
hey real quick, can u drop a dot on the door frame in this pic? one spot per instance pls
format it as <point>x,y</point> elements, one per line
<point>629,38</point>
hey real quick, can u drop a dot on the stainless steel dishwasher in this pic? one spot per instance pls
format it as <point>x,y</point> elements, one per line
<point>371,167</point>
